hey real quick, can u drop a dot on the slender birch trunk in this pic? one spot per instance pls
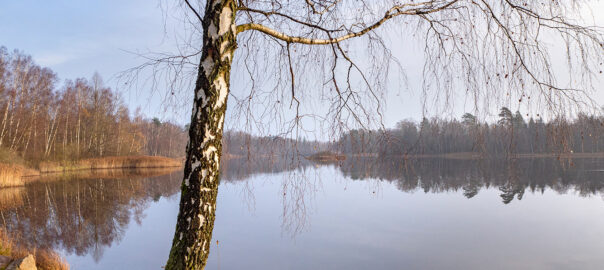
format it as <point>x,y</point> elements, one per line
<point>22,96</point>
<point>119,133</point>
<point>79,124</point>
<point>191,244</point>
<point>15,133</point>
<point>31,126</point>
<point>65,134</point>
<point>49,136</point>
<point>5,119</point>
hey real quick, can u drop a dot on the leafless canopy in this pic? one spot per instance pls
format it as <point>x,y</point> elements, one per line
<point>334,60</point>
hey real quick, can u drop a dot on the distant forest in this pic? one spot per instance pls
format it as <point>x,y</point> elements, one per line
<point>40,120</point>
<point>512,134</point>
<point>242,144</point>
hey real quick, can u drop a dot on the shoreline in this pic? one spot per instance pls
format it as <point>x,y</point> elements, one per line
<point>16,175</point>
<point>113,162</point>
<point>478,155</point>
<point>13,255</point>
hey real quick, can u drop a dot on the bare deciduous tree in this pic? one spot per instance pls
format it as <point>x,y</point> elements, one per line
<point>40,121</point>
<point>343,51</point>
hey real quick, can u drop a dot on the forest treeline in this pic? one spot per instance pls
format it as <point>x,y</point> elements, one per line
<point>511,134</point>
<point>42,119</point>
<point>243,144</point>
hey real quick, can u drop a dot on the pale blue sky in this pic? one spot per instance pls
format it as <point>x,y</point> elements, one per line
<point>77,38</point>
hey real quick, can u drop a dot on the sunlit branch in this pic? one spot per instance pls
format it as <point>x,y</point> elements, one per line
<point>391,13</point>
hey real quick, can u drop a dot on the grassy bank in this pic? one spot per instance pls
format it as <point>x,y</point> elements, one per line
<point>110,163</point>
<point>46,259</point>
<point>120,173</point>
<point>13,169</point>
<point>12,175</point>
<point>478,155</point>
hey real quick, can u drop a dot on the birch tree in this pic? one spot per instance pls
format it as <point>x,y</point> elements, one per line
<point>342,51</point>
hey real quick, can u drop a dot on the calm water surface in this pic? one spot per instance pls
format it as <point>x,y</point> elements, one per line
<point>361,214</point>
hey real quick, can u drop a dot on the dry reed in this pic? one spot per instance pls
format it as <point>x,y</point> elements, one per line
<point>110,163</point>
<point>46,259</point>
<point>127,173</point>
<point>12,175</point>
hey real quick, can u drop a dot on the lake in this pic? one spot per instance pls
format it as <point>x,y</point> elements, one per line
<point>362,213</point>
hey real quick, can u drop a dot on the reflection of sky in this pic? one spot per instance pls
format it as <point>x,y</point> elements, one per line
<point>77,38</point>
<point>348,226</point>
<point>144,246</point>
<point>352,228</point>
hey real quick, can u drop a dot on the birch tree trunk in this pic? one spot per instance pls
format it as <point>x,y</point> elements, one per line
<point>79,124</point>
<point>31,126</point>
<point>191,244</point>
<point>4,120</point>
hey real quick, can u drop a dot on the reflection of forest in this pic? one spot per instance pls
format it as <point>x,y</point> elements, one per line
<point>511,177</point>
<point>82,214</point>
<point>85,213</point>
<point>238,169</point>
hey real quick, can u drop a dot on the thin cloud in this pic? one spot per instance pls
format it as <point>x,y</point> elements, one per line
<point>54,59</point>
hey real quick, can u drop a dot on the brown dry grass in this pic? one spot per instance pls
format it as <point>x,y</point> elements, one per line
<point>127,173</point>
<point>11,175</point>
<point>46,259</point>
<point>111,163</point>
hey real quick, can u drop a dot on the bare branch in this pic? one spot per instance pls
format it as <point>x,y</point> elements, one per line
<point>194,11</point>
<point>393,12</point>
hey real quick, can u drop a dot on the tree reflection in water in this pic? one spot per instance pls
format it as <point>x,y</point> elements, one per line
<point>86,213</point>
<point>431,175</point>
<point>83,214</point>
<point>511,177</point>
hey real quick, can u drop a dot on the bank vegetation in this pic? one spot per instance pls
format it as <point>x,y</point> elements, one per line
<point>81,124</point>
<point>46,259</point>
<point>42,119</point>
